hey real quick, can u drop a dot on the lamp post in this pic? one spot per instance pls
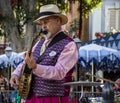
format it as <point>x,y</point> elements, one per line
<point>8,52</point>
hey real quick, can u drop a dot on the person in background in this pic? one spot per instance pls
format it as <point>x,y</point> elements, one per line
<point>98,90</point>
<point>3,81</point>
<point>76,37</point>
<point>3,86</point>
<point>57,62</point>
<point>13,94</point>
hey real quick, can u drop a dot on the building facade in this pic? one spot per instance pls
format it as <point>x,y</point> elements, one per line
<point>105,19</point>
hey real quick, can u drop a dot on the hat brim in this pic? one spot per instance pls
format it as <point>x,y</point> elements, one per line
<point>63,18</point>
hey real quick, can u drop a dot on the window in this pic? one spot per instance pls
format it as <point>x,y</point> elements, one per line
<point>114,19</point>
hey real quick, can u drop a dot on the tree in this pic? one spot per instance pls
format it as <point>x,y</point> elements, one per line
<point>17,16</point>
<point>85,6</point>
<point>12,24</point>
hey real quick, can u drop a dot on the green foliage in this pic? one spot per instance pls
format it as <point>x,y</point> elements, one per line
<point>60,3</point>
<point>33,14</point>
<point>89,5</point>
<point>107,33</point>
<point>22,13</point>
<point>1,25</point>
<point>1,31</point>
<point>6,18</point>
<point>20,17</point>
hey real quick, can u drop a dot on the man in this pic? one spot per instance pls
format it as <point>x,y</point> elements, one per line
<point>57,63</point>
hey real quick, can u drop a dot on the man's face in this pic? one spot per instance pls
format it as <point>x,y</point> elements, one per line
<point>51,24</point>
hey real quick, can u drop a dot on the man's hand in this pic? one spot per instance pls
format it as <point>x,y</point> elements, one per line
<point>30,60</point>
<point>14,81</point>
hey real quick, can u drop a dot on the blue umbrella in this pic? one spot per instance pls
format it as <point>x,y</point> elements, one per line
<point>117,54</point>
<point>17,60</point>
<point>110,63</point>
<point>93,53</point>
<point>13,61</point>
<point>21,54</point>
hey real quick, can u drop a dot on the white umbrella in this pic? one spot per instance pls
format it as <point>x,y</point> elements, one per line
<point>94,52</point>
<point>14,60</point>
<point>21,54</point>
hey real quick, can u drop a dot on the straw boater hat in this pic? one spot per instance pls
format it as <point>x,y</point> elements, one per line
<point>51,10</point>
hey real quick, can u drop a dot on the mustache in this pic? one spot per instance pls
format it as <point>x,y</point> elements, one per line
<point>44,31</point>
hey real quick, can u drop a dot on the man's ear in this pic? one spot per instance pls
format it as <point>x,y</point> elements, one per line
<point>59,19</point>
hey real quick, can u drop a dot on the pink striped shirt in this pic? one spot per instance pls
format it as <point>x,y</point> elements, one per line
<point>66,61</point>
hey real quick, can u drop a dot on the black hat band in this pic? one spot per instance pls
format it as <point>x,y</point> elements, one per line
<point>47,13</point>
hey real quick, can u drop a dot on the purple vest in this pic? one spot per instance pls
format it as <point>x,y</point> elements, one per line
<point>46,87</point>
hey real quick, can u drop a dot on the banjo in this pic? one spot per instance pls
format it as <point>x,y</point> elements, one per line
<point>26,76</point>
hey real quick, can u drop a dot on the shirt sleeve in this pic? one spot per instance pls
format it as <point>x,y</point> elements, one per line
<point>18,70</point>
<point>66,61</point>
